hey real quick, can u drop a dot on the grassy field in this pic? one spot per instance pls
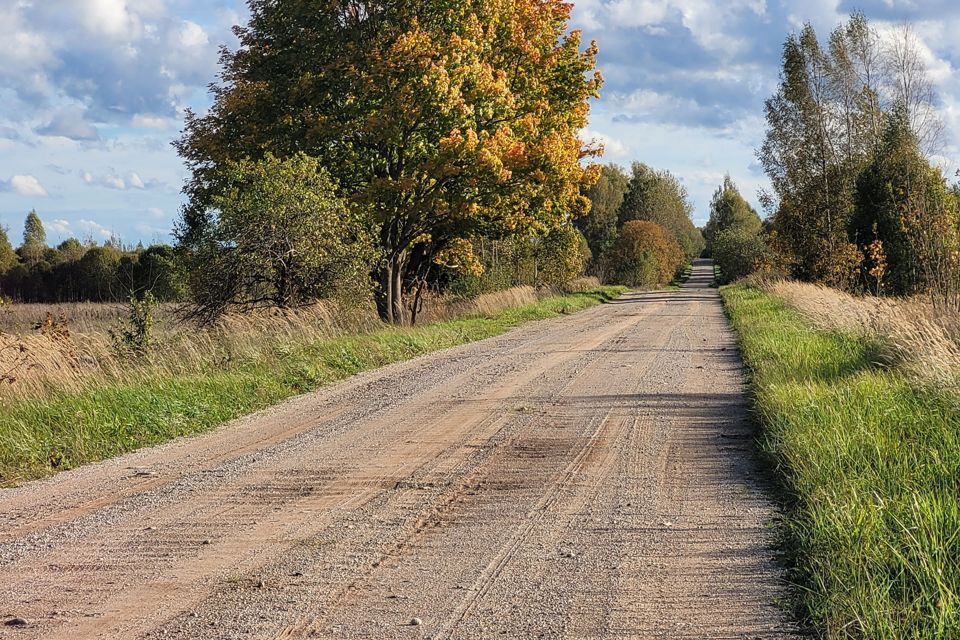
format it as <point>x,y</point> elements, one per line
<point>867,451</point>
<point>110,413</point>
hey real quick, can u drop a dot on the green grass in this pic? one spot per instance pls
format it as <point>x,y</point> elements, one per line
<point>869,464</point>
<point>41,437</point>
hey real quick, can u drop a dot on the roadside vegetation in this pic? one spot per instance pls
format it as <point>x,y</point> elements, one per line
<point>860,415</point>
<point>422,167</point>
<point>86,402</point>
<point>849,327</point>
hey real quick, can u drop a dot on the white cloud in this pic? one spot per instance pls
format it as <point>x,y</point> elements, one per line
<point>70,123</point>
<point>27,186</point>
<point>110,18</point>
<point>193,36</point>
<point>58,226</point>
<point>113,181</point>
<point>637,13</point>
<point>94,228</point>
<point>613,148</point>
<point>117,182</point>
<point>147,121</point>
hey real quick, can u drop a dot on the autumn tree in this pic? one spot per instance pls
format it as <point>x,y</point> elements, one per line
<point>644,255</point>
<point>561,257</point>
<point>441,119</point>
<point>279,236</point>
<point>659,197</point>
<point>606,196</point>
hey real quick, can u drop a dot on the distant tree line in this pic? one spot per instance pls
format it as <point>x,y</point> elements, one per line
<point>76,271</point>
<point>639,229</point>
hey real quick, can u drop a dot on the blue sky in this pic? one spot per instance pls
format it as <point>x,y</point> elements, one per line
<point>92,92</point>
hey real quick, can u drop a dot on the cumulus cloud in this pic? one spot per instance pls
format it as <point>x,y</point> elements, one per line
<point>71,124</point>
<point>148,121</point>
<point>94,229</point>
<point>113,180</point>
<point>27,186</point>
<point>58,226</point>
<point>121,58</point>
<point>613,148</point>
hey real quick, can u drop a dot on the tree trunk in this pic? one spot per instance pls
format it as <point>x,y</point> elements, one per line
<point>390,291</point>
<point>397,295</point>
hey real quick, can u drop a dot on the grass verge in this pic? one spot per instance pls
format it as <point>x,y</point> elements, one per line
<point>869,463</point>
<point>43,436</point>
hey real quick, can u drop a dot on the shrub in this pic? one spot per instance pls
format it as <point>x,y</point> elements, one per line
<point>738,252</point>
<point>644,255</point>
<point>279,237</point>
<point>561,257</point>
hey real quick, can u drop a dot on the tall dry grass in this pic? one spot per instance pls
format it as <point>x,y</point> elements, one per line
<point>51,348</point>
<point>908,333</point>
<point>73,350</point>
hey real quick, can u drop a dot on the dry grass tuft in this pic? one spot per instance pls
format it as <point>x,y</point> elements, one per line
<point>908,333</point>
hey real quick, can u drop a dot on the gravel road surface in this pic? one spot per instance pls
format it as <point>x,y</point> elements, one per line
<point>589,476</point>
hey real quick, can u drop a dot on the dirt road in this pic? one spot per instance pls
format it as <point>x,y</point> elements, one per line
<point>584,477</point>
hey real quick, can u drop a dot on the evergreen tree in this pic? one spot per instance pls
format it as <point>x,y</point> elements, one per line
<point>8,257</point>
<point>902,209</point>
<point>728,211</point>
<point>34,239</point>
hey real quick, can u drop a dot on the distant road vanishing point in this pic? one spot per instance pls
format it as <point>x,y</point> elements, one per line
<point>590,476</point>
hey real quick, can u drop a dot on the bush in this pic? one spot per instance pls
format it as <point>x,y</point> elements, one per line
<point>738,252</point>
<point>134,338</point>
<point>561,257</point>
<point>279,236</point>
<point>644,255</point>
